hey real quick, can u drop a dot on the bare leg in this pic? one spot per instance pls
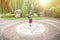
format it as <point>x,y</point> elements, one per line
<point>30,25</point>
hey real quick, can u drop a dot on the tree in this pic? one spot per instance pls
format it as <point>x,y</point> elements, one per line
<point>25,7</point>
<point>4,4</point>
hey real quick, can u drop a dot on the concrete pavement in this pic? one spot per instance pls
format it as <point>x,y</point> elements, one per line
<point>9,32</point>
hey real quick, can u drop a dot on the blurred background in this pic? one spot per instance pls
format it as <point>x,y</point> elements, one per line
<point>40,8</point>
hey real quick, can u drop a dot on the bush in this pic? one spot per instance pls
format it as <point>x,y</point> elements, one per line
<point>8,15</point>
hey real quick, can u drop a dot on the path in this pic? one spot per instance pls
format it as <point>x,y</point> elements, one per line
<point>7,30</point>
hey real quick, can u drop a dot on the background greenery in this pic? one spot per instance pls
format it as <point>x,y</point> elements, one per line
<point>12,17</point>
<point>51,10</point>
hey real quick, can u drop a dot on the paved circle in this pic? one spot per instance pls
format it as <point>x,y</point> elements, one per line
<point>51,33</point>
<point>26,29</point>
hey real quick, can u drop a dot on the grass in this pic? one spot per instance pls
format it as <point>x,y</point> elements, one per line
<point>11,17</point>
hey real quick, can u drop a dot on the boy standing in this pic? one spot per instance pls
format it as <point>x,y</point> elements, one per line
<point>30,18</point>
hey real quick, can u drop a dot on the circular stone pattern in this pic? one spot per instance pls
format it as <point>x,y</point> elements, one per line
<point>25,29</point>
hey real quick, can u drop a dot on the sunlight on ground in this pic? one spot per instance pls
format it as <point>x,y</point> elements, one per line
<point>25,29</point>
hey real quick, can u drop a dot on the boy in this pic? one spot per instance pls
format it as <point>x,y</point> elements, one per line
<point>30,18</point>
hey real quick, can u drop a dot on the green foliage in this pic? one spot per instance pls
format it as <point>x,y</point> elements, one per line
<point>25,8</point>
<point>9,16</point>
<point>24,11</point>
<point>54,8</point>
<point>55,12</point>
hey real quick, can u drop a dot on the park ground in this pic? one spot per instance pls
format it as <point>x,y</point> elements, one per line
<point>7,29</point>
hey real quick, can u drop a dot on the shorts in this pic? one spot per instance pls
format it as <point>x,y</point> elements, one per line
<point>30,20</point>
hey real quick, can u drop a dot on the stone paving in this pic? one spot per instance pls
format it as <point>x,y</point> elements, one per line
<point>9,32</point>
